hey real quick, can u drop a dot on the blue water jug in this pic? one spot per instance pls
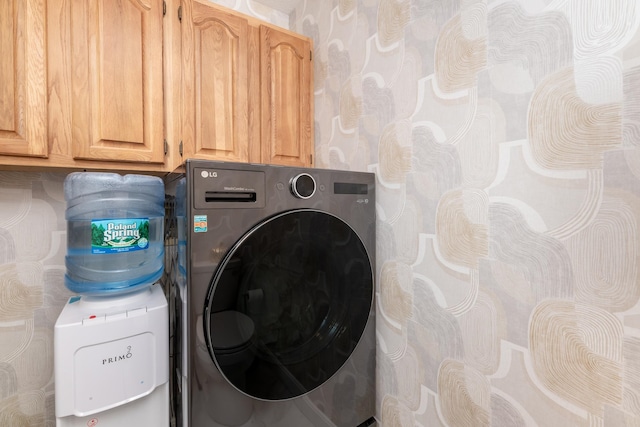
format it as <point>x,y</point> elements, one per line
<point>115,232</point>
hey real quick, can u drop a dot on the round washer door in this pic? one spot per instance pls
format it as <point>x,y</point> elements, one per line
<point>304,278</point>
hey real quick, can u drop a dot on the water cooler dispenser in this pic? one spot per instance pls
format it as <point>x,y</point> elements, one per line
<point>111,340</point>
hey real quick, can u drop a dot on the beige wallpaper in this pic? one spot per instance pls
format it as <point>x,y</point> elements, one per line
<point>506,140</point>
<point>505,135</point>
<point>32,293</point>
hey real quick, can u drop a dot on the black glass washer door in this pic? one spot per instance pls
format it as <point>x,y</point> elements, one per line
<point>304,278</point>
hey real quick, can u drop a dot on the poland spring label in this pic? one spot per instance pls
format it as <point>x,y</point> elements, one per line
<point>110,236</point>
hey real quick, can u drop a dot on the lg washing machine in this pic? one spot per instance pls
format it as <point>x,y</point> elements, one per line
<point>272,295</point>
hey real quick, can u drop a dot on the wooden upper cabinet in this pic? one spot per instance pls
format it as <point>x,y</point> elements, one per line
<point>23,84</point>
<point>101,84</point>
<point>117,87</point>
<point>214,83</point>
<point>286,115</point>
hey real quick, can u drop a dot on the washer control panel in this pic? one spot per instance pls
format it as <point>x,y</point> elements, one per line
<point>303,186</point>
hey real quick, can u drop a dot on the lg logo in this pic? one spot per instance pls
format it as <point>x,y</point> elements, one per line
<point>206,174</point>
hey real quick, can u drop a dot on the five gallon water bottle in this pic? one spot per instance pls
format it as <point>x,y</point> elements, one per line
<point>115,232</point>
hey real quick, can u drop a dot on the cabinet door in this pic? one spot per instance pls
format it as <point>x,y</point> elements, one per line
<point>214,83</point>
<point>23,85</point>
<point>287,127</point>
<point>116,55</point>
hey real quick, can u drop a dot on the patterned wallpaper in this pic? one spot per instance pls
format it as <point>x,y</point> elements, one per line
<point>505,135</point>
<point>32,293</point>
<point>506,140</point>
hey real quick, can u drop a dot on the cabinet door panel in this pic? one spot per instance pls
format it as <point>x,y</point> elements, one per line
<point>23,102</point>
<point>286,98</point>
<point>117,80</point>
<point>214,58</point>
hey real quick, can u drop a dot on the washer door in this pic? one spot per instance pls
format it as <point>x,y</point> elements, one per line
<point>304,278</point>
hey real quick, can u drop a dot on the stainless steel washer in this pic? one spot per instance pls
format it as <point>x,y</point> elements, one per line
<point>273,295</point>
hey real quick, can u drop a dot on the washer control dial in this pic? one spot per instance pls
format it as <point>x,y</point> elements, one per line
<point>303,186</point>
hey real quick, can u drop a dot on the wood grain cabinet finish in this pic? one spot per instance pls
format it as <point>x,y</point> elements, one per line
<point>116,53</point>
<point>246,88</point>
<point>286,115</point>
<point>214,83</point>
<point>23,84</point>
<point>141,85</point>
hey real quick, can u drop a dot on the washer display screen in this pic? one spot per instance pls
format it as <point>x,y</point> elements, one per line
<point>304,280</point>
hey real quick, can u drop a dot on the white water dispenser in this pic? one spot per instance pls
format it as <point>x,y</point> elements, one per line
<point>111,340</point>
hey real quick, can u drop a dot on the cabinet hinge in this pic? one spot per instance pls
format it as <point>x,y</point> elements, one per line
<point>166,147</point>
<point>180,148</point>
<point>180,13</point>
<point>310,55</point>
<point>311,159</point>
<point>164,8</point>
